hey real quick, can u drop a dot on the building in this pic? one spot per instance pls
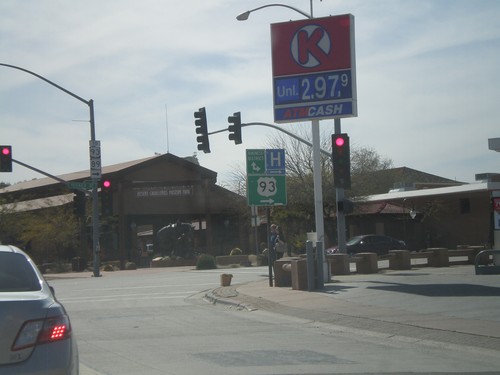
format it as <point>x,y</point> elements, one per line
<point>147,195</point>
<point>427,212</point>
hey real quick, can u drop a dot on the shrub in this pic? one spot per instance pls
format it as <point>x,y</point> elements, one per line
<point>206,262</point>
<point>236,251</point>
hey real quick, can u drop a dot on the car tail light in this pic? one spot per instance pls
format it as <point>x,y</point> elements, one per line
<point>42,331</point>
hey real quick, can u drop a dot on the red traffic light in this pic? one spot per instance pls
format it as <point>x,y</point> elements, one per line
<point>106,184</point>
<point>339,141</point>
<point>5,158</point>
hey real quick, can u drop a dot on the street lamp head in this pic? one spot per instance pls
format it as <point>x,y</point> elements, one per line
<point>243,16</point>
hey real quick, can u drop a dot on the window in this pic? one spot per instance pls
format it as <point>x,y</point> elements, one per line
<point>17,274</point>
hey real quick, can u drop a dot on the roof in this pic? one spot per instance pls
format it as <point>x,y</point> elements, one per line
<point>467,188</point>
<point>381,208</point>
<point>36,204</point>
<point>106,170</point>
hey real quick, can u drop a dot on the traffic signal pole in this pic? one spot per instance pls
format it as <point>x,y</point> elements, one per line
<point>340,195</point>
<point>95,178</point>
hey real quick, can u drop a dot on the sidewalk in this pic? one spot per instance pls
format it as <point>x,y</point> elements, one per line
<point>451,304</point>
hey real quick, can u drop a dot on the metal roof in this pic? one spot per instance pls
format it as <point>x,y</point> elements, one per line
<point>467,188</point>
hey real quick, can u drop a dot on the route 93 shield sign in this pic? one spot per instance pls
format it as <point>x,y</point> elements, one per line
<point>266,177</point>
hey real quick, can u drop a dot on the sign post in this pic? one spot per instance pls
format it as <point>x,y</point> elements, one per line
<point>266,185</point>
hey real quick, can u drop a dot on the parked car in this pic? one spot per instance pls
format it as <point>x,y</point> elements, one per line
<point>36,335</point>
<point>370,243</point>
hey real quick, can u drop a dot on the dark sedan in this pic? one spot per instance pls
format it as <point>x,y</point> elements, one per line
<point>370,243</point>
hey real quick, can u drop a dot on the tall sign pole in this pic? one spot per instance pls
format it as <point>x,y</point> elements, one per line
<point>314,78</point>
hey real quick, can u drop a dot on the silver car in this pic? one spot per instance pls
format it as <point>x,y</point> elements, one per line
<point>35,331</point>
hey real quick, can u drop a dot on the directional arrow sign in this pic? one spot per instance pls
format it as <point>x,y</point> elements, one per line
<point>266,179</point>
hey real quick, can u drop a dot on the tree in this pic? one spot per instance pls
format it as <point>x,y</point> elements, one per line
<point>48,234</point>
<point>365,161</point>
<point>298,216</point>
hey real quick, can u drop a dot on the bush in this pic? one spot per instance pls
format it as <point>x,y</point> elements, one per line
<point>206,262</point>
<point>236,251</point>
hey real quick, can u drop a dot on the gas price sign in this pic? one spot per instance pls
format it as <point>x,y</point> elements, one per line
<point>314,69</point>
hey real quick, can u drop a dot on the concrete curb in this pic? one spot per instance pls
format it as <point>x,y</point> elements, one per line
<point>213,296</point>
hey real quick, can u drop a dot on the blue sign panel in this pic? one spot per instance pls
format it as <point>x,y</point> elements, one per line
<point>275,161</point>
<point>303,89</point>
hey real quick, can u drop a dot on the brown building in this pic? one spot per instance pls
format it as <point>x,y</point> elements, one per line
<point>146,195</point>
<point>427,212</point>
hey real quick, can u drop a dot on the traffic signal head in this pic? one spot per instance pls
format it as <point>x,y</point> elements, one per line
<point>202,130</point>
<point>235,129</point>
<point>345,206</point>
<point>79,203</point>
<point>5,159</point>
<point>341,158</point>
<point>106,198</point>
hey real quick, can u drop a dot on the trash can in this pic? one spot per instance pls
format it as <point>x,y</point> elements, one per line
<point>225,279</point>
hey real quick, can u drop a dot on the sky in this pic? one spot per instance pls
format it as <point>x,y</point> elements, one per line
<point>427,72</point>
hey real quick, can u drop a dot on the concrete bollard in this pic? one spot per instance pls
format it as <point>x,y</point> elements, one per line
<point>367,264</point>
<point>439,257</point>
<point>282,276</point>
<point>299,274</point>
<point>399,260</point>
<point>339,264</point>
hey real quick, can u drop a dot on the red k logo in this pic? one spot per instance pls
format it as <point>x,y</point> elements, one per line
<point>310,46</point>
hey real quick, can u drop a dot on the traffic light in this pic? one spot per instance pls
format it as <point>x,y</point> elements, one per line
<point>345,206</point>
<point>341,159</point>
<point>79,203</point>
<point>202,130</point>
<point>106,198</point>
<point>235,129</point>
<point>5,159</point>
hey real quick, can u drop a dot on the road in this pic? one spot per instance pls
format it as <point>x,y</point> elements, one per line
<point>155,321</point>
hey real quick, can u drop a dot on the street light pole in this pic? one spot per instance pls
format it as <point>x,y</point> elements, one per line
<point>95,180</point>
<point>318,189</point>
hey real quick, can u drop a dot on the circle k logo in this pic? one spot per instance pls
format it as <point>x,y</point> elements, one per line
<point>310,46</point>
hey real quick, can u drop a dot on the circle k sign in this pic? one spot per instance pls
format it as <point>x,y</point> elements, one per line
<point>314,68</point>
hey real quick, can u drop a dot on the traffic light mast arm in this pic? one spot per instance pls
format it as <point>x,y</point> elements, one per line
<point>45,174</point>
<point>324,152</point>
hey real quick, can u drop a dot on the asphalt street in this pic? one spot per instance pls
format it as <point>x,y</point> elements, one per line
<point>443,315</point>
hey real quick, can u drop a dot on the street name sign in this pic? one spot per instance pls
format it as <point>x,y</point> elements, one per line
<point>314,74</point>
<point>83,185</point>
<point>266,177</point>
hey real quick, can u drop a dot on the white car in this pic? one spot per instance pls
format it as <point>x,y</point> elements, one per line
<point>35,330</point>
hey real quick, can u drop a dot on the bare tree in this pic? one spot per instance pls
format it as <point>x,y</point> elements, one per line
<point>298,215</point>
